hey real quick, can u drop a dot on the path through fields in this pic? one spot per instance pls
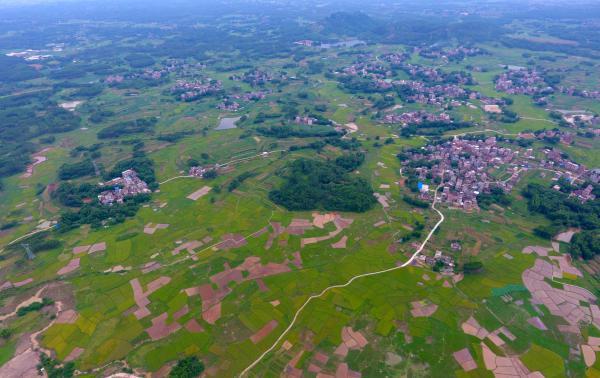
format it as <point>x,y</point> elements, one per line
<point>327,289</point>
<point>234,161</point>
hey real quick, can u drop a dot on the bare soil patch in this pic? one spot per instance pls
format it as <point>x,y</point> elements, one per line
<point>465,360</point>
<point>264,331</point>
<point>199,193</point>
<point>71,266</point>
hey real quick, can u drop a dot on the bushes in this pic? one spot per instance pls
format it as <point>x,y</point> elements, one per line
<point>76,170</point>
<point>174,137</point>
<point>299,132</point>
<point>35,306</point>
<point>311,184</point>
<point>351,161</point>
<point>41,244</point>
<point>6,333</point>
<point>23,118</point>
<point>472,267</point>
<point>496,195</point>
<point>585,244</point>
<point>14,69</point>
<point>53,368</point>
<point>96,214</point>
<point>189,367</point>
<point>561,209</point>
<point>415,202</point>
<point>139,60</point>
<point>233,185</point>
<point>72,195</point>
<point>432,128</point>
<point>87,91</point>
<point>139,125</point>
<point>101,116</point>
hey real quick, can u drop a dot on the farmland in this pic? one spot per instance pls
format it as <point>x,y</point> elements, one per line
<point>326,201</point>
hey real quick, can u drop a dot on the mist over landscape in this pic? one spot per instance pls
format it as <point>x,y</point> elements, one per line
<point>342,188</point>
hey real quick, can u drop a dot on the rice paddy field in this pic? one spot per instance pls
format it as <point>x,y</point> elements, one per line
<point>220,275</point>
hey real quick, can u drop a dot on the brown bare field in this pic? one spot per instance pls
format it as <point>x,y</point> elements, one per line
<point>67,317</point>
<point>141,297</point>
<point>340,243</point>
<point>199,193</point>
<point>193,326</point>
<point>504,366</point>
<point>75,354</point>
<point>264,331</point>
<point>465,360</point>
<point>566,302</point>
<point>150,229</point>
<point>230,241</point>
<point>422,308</point>
<point>160,328</point>
<point>189,246</point>
<point>150,266</point>
<point>98,247</point>
<point>71,266</point>
<point>537,323</point>
<point>81,249</point>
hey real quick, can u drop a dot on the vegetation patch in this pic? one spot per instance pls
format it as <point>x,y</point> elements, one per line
<point>311,184</point>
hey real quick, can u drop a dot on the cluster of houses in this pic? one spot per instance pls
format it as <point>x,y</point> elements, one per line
<point>564,137</point>
<point>555,160</point>
<point>251,96</point>
<point>572,91</point>
<point>584,194</point>
<point>438,95</point>
<point>200,171</point>
<point>256,77</point>
<point>455,53</point>
<point>427,85</point>
<point>128,185</point>
<point>229,103</point>
<point>445,263</point>
<point>463,167</point>
<point>305,42</point>
<point>305,120</point>
<point>522,81</point>
<point>192,90</point>
<point>371,69</point>
<point>436,75</point>
<point>177,66</point>
<point>411,118</point>
<point>395,59</point>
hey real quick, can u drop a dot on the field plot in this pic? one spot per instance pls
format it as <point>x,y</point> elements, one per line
<point>247,191</point>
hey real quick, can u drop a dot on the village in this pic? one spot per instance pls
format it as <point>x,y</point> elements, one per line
<point>128,185</point>
<point>449,54</point>
<point>257,77</point>
<point>522,81</point>
<point>415,118</point>
<point>192,90</point>
<point>463,168</point>
<point>466,168</point>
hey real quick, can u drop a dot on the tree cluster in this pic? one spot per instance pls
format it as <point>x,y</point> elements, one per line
<point>324,185</point>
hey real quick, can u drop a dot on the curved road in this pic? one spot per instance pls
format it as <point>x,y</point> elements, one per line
<point>327,289</point>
